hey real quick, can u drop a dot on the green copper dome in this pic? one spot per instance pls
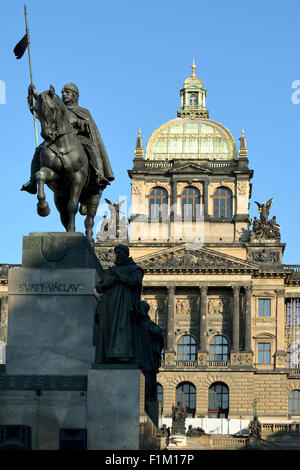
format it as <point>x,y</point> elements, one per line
<point>191,138</point>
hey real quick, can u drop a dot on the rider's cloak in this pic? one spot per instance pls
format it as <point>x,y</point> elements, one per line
<point>100,153</point>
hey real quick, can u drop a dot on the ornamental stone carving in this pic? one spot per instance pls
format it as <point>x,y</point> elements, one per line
<point>265,228</point>
<point>186,307</point>
<point>243,187</point>
<point>219,306</point>
<point>241,359</point>
<point>265,256</point>
<point>215,306</point>
<point>188,259</point>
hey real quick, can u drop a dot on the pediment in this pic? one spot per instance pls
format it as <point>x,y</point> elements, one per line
<point>190,256</point>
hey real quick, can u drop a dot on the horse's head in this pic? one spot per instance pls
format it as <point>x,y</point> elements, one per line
<point>52,115</point>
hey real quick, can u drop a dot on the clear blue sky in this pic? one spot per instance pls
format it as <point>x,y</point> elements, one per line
<point>129,59</point>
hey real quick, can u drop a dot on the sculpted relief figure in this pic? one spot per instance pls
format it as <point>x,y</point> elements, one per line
<point>72,160</point>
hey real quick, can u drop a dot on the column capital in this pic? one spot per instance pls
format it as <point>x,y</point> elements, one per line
<point>236,288</point>
<point>203,289</point>
<point>171,289</point>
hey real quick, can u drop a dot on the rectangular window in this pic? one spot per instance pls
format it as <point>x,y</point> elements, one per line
<point>264,307</point>
<point>264,353</point>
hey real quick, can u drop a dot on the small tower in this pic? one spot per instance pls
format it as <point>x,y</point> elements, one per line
<point>193,97</point>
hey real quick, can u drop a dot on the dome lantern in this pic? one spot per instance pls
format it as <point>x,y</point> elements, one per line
<point>193,97</point>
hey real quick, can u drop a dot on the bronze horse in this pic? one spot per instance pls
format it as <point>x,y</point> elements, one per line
<point>64,166</point>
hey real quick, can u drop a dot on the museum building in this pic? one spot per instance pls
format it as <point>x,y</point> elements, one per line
<point>213,278</point>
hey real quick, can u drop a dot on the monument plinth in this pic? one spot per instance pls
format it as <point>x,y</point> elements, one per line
<point>51,306</point>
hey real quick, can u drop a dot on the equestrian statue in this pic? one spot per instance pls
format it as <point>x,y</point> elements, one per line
<point>72,161</point>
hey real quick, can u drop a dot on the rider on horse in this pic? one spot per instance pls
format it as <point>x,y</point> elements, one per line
<point>90,138</point>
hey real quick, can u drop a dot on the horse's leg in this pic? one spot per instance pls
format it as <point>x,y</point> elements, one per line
<point>92,206</point>
<point>42,176</point>
<point>62,207</point>
<point>76,188</point>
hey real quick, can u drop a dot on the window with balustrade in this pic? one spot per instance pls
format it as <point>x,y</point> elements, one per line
<point>158,203</point>
<point>218,349</point>
<point>218,400</point>
<point>294,402</point>
<point>186,348</point>
<point>190,203</point>
<point>186,394</point>
<point>222,202</point>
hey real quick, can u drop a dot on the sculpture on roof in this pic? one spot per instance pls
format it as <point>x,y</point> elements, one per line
<point>265,228</point>
<point>116,226</point>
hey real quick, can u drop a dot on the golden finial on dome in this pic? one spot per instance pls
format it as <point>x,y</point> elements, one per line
<point>139,152</point>
<point>193,67</point>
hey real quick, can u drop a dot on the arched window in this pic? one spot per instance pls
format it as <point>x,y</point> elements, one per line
<point>186,394</point>
<point>293,355</point>
<point>190,202</point>
<point>158,203</point>
<point>160,395</point>
<point>186,348</point>
<point>218,400</point>
<point>222,202</point>
<point>218,349</point>
<point>193,99</point>
<point>294,402</point>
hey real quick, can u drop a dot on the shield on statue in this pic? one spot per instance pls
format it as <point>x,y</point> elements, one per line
<point>54,247</point>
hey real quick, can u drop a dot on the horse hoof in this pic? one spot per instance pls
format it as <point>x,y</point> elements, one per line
<point>43,209</point>
<point>83,209</point>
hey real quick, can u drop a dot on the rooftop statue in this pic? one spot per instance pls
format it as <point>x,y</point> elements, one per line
<point>72,160</point>
<point>265,228</point>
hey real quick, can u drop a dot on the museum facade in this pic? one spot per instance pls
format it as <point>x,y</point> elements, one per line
<point>214,279</point>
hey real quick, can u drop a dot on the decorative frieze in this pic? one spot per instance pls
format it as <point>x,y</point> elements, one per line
<point>241,359</point>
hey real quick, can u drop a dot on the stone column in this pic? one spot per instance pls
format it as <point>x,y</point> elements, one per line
<point>236,319</point>
<point>248,318</point>
<point>170,323</point>
<point>202,323</point>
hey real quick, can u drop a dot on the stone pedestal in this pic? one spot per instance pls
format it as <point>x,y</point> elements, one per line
<point>116,418</point>
<point>51,306</point>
